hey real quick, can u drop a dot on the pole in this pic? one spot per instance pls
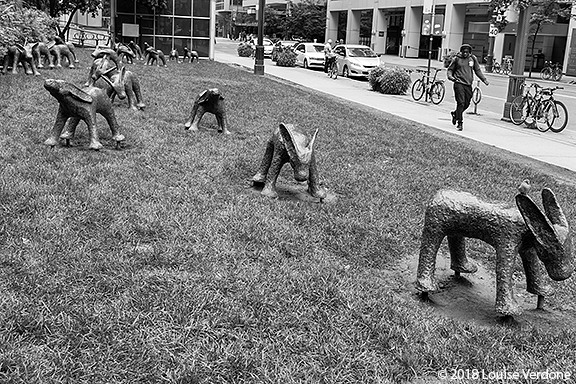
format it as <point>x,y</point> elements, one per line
<point>112,23</point>
<point>259,63</point>
<point>490,57</point>
<point>430,52</point>
<point>212,32</point>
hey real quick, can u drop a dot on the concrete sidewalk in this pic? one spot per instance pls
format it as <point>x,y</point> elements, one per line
<point>486,128</point>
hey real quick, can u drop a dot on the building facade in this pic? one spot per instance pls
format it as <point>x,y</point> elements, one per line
<point>185,23</point>
<point>396,27</point>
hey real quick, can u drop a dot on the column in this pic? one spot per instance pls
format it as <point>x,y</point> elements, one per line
<point>380,26</point>
<point>412,25</point>
<point>353,27</point>
<point>331,25</point>
<point>454,27</point>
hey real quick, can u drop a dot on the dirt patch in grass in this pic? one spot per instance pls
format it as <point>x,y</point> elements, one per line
<point>471,297</point>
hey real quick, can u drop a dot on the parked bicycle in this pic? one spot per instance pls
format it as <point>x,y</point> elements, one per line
<point>507,64</point>
<point>332,67</point>
<point>551,71</point>
<point>430,86</point>
<point>539,108</point>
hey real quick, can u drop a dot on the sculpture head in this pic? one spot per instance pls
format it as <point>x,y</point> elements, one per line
<point>552,239</point>
<point>25,50</point>
<point>105,70</point>
<point>300,149</point>
<point>211,95</point>
<point>63,91</point>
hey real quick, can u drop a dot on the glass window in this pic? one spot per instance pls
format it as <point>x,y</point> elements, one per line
<point>201,8</point>
<point>146,39</point>
<point>143,9</point>
<point>163,25</point>
<point>126,6</point>
<point>182,26</point>
<point>164,44</point>
<point>362,52</point>
<point>183,7</point>
<point>201,28</point>
<point>201,46</point>
<point>180,43</point>
<point>146,25</point>
<point>121,19</point>
<point>169,10</point>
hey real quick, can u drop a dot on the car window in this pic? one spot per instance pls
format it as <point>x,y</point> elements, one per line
<point>340,51</point>
<point>317,48</point>
<point>300,48</point>
<point>361,52</point>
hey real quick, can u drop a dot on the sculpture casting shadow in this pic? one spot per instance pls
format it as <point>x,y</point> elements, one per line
<point>211,101</point>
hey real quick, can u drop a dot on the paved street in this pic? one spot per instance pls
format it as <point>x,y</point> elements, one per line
<point>557,149</point>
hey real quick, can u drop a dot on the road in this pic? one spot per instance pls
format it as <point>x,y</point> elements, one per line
<point>493,98</point>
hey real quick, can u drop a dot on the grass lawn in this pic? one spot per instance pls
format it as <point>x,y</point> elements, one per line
<point>158,264</point>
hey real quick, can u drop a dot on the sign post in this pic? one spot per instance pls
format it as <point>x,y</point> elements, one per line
<point>427,28</point>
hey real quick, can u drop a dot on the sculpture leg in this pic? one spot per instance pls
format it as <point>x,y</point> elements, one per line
<point>431,239</point>
<point>314,187</point>
<point>260,176</point>
<point>505,302</point>
<point>93,132</point>
<point>131,98</point>
<point>269,189</point>
<point>459,263</point>
<point>15,61</point>
<point>536,277</point>
<point>137,93</point>
<point>68,133</point>
<point>114,127</point>
<point>163,60</point>
<point>222,123</point>
<point>61,118</point>
<point>195,117</point>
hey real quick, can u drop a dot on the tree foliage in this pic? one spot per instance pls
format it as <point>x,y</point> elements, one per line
<point>22,25</point>
<point>62,7</point>
<point>307,20</point>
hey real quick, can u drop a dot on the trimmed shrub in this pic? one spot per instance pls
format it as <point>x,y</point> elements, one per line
<point>286,58</point>
<point>389,80</point>
<point>245,50</point>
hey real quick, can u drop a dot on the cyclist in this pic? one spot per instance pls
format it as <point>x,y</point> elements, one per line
<point>461,71</point>
<point>327,54</point>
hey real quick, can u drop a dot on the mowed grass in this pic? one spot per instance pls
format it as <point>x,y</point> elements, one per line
<point>158,264</point>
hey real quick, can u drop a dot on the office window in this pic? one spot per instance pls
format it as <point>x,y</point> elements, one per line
<point>183,7</point>
<point>143,9</point>
<point>201,28</point>
<point>182,26</point>
<point>201,8</point>
<point>163,25</point>
<point>126,6</point>
<point>201,46</point>
<point>180,43</point>
<point>146,24</point>
<point>164,44</point>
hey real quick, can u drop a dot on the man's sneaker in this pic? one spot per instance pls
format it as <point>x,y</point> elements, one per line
<point>453,117</point>
<point>459,127</point>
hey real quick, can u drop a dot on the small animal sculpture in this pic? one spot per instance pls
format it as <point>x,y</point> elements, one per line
<point>124,52</point>
<point>212,101</point>
<point>41,55</point>
<point>20,54</point>
<point>80,104</point>
<point>523,229</point>
<point>174,55</point>
<point>60,49</point>
<point>191,55</point>
<point>289,145</point>
<point>136,49</point>
<point>154,56</point>
<point>99,54</point>
<point>524,187</point>
<point>126,80</point>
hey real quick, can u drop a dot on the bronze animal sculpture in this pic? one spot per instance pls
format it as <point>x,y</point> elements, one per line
<point>523,229</point>
<point>212,101</point>
<point>98,54</point>
<point>80,104</point>
<point>153,56</point>
<point>125,83</point>
<point>136,49</point>
<point>191,55</point>
<point>289,145</point>
<point>174,55</point>
<point>125,52</point>
<point>20,54</point>
<point>41,55</point>
<point>59,50</point>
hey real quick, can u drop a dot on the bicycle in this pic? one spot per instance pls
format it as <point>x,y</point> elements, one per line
<point>551,71</point>
<point>546,112</point>
<point>506,67</point>
<point>477,93</point>
<point>332,67</point>
<point>429,85</point>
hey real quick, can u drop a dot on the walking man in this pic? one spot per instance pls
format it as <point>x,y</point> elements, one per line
<point>461,71</point>
<point>327,54</point>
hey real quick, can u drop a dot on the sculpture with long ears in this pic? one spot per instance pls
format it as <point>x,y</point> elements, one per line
<point>125,83</point>
<point>23,54</point>
<point>153,56</point>
<point>60,49</point>
<point>289,145</point>
<point>212,101</point>
<point>538,237</point>
<point>80,104</point>
<point>191,55</point>
<point>41,55</point>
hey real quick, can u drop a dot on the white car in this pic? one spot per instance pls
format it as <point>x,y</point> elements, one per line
<point>268,46</point>
<point>310,55</point>
<point>355,60</point>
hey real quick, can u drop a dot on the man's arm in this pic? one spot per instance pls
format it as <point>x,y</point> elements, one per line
<point>450,70</point>
<point>478,71</point>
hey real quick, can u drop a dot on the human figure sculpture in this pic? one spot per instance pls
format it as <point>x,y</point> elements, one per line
<point>17,54</point>
<point>289,145</point>
<point>153,56</point>
<point>191,55</point>
<point>212,101</point>
<point>127,80</point>
<point>80,104</point>
<point>174,55</point>
<point>136,49</point>
<point>522,229</point>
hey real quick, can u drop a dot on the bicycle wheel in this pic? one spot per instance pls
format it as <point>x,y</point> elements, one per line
<point>546,73</point>
<point>333,72</point>
<point>437,92</point>
<point>519,110</point>
<point>543,115</point>
<point>418,89</point>
<point>496,67</point>
<point>477,95</point>
<point>557,76</point>
<point>558,116</point>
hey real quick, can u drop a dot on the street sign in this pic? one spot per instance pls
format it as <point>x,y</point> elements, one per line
<point>493,31</point>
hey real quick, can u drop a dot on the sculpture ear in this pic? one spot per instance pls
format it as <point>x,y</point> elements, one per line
<point>552,208</point>
<point>77,93</point>
<point>204,96</point>
<point>538,224</point>
<point>310,145</point>
<point>35,45</point>
<point>288,138</point>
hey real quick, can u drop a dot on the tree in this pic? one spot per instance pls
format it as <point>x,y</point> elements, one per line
<point>273,22</point>
<point>307,20</point>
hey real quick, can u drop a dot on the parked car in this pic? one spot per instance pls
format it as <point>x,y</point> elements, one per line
<point>282,44</point>
<point>355,60</point>
<point>268,46</point>
<point>309,55</point>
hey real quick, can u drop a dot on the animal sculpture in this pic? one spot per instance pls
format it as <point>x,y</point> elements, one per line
<point>212,101</point>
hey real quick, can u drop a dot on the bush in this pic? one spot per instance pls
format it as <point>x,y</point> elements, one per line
<point>245,50</point>
<point>448,58</point>
<point>389,80</point>
<point>286,58</point>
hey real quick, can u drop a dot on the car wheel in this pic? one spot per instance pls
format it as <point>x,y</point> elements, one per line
<point>306,64</point>
<point>345,72</point>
